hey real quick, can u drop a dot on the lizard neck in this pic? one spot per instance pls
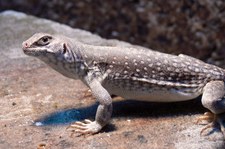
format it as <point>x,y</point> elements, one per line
<point>69,70</point>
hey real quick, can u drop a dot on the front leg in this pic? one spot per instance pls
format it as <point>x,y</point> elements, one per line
<point>103,113</point>
<point>213,99</point>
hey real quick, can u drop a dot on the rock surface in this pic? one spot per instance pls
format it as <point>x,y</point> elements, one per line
<point>38,104</point>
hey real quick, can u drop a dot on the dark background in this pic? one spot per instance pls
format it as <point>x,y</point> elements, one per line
<point>193,27</point>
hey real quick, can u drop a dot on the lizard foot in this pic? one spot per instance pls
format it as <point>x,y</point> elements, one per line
<point>214,120</point>
<point>86,127</point>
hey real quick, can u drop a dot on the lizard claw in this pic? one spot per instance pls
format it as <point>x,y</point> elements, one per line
<point>87,93</point>
<point>86,127</point>
<point>214,121</point>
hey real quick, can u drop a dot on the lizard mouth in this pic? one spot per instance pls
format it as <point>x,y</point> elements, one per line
<point>34,51</point>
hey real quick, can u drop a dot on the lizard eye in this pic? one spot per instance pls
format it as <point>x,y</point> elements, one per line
<point>43,41</point>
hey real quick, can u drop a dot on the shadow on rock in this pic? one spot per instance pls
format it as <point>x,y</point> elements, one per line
<point>65,117</point>
<point>131,108</point>
<point>126,108</point>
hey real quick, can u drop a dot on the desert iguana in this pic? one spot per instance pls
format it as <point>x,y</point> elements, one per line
<point>131,73</point>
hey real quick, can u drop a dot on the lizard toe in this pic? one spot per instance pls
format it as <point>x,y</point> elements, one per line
<point>221,122</point>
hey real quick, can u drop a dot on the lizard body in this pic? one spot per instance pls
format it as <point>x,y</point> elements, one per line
<point>131,73</point>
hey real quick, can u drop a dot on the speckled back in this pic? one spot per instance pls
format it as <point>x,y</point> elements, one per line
<point>148,66</point>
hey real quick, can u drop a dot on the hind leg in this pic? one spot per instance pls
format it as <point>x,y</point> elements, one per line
<point>213,99</point>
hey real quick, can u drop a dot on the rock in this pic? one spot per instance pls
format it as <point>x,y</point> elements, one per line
<point>38,104</point>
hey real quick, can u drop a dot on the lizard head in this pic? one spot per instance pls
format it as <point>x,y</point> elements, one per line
<point>43,46</point>
<point>55,50</point>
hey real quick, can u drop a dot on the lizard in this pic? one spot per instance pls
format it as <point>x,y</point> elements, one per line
<point>131,73</point>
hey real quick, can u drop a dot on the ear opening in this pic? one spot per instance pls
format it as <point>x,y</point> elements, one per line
<point>64,48</point>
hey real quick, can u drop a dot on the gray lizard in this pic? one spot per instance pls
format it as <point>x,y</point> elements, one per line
<point>131,73</point>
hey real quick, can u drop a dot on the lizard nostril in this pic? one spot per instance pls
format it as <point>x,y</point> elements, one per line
<point>25,45</point>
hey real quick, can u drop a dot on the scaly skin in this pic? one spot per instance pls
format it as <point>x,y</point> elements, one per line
<point>132,73</point>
